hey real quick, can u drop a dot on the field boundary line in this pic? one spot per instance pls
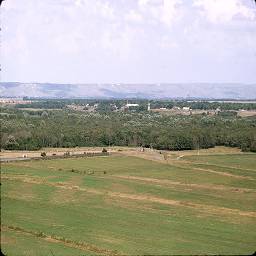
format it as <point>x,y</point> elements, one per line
<point>222,166</point>
<point>67,242</point>
<point>53,157</point>
<point>212,171</point>
<point>223,173</point>
<point>177,183</point>
<point>171,163</point>
<point>140,197</point>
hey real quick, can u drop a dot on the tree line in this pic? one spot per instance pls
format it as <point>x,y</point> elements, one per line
<point>105,105</point>
<point>30,130</point>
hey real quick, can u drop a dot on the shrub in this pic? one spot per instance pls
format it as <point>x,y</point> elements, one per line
<point>43,154</point>
<point>67,153</point>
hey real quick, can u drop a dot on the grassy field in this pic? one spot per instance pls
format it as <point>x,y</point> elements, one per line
<point>127,205</point>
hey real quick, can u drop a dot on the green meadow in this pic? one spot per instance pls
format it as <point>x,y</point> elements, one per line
<point>124,205</point>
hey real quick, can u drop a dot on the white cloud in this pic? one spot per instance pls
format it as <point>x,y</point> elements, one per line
<point>134,16</point>
<point>221,11</point>
<point>137,37</point>
<point>168,43</point>
<point>161,11</point>
<point>105,9</point>
<point>143,2</point>
<point>170,12</point>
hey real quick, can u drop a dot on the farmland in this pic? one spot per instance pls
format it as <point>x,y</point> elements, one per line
<point>131,203</point>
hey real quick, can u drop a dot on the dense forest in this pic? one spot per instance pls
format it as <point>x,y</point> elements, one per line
<point>29,130</point>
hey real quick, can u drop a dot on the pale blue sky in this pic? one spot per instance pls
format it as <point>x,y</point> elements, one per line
<point>128,41</point>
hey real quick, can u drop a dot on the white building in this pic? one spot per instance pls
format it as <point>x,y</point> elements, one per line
<point>131,105</point>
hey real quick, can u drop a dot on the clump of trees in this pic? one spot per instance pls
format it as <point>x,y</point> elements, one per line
<point>11,142</point>
<point>107,104</point>
<point>67,128</point>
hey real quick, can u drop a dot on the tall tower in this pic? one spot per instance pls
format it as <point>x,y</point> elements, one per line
<point>148,106</point>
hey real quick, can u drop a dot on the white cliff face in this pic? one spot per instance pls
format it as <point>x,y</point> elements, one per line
<point>210,91</point>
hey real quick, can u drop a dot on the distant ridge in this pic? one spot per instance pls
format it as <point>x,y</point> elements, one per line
<point>117,91</point>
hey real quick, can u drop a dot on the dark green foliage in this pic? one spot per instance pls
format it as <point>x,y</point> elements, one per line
<point>103,128</point>
<point>107,105</point>
<point>47,104</point>
<point>228,113</point>
<point>11,143</point>
<point>206,105</point>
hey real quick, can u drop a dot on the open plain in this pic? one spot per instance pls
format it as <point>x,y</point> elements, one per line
<point>131,203</point>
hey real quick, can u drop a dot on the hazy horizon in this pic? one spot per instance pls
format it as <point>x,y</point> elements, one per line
<point>114,91</point>
<point>138,41</point>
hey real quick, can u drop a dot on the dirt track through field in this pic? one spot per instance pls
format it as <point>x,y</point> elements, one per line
<point>176,183</point>
<point>223,173</point>
<point>223,166</point>
<point>157,158</point>
<point>210,209</point>
<point>66,242</point>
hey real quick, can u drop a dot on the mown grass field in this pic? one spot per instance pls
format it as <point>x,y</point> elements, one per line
<point>126,205</point>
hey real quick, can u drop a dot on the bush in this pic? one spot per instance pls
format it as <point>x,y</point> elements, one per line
<point>11,143</point>
<point>43,154</point>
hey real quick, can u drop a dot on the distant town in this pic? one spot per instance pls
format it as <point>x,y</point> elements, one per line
<point>167,107</point>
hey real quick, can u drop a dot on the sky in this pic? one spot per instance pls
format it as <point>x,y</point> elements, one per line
<point>128,41</point>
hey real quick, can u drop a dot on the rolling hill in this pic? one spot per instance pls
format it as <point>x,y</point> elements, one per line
<point>195,90</point>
